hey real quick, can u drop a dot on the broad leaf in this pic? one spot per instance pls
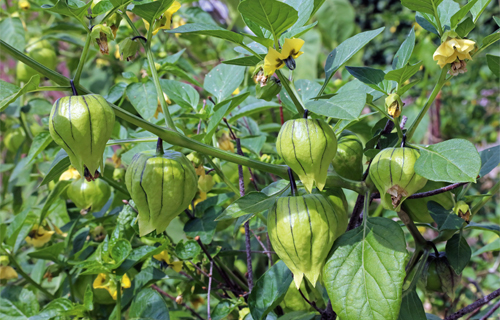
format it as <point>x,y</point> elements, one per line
<point>370,76</point>
<point>457,17</point>
<point>252,108</point>
<point>253,202</point>
<point>489,40</point>
<point>445,219</point>
<point>272,15</point>
<point>28,87</point>
<point>143,97</point>
<point>151,11</point>
<point>71,8</point>
<point>458,252</point>
<point>411,307</point>
<point>345,51</point>
<point>478,8</point>
<point>427,22</point>
<point>181,93</point>
<point>116,92</point>
<point>149,304</point>
<point>490,159</point>
<point>49,253</point>
<point>269,290</point>
<point>485,227</point>
<point>187,250</point>
<point>223,79</point>
<point>345,105</point>
<point>426,6</point>
<point>203,227</point>
<point>13,32</point>
<point>209,30</point>
<point>404,52</point>
<point>364,275</point>
<point>403,74</point>
<point>465,27</point>
<point>17,303</point>
<point>455,160</point>
<point>446,9</point>
<point>492,246</point>
<point>247,61</point>
<point>494,64</point>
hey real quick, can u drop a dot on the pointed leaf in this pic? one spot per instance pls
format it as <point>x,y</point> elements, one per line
<point>13,32</point>
<point>426,6</point>
<point>40,143</point>
<point>253,202</point>
<point>412,307</point>
<point>151,11</point>
<point>143,97</point>
<point>455,19</point>
<point>403,74</point>
<point>345,105</point>
<point>223,79</point>
<point>404,52</point>
<point>458,252</point>
<point>494,64</point>
<point>209,30</point>
<point>28,87</point>
<point>148,304</point>
<point>272,15</point>
<point>181,93</point>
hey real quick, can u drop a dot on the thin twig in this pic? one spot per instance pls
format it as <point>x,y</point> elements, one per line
<point>312,304</point>
<point>493,309</point>
<point>355,220</point>
<point>403,122</point>
<point>268,242</point>
<point>209,289</point>
<point>473,306</point>
<point>155,287</point>
<point>262,245</point>
<point>431,192</point>
<point>221,272</point>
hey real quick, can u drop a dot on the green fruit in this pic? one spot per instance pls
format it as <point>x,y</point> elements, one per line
<point>339,203</point>
<point>14,138</point>
<point>91,196</point>
<point>440,276</point>
<point>82,125</point>
<point>269,91</point>
<point>348,161</point>
<point>307,146</point>
<point>162,187</point>
<point>392,173</point>
<point>417,208</point>
<point>118,174</point>
<point>41,51</point>
<point>302,230</point>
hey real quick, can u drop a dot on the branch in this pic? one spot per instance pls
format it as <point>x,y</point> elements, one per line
<point>493,309</point>
<point>429,193</point>
<point>477,304</point>
<point>312,304</point>
<point>209,289</point>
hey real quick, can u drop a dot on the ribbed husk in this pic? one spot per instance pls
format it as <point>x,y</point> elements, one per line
<point>307,146</point>
<point>302,230</point>
<point>392,172</point>
<point>91,196</point>
<point>348,161</point>
<point>161,186</point>
<point>82,125</point>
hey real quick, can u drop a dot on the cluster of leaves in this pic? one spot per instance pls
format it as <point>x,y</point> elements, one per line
<point>205,70</point>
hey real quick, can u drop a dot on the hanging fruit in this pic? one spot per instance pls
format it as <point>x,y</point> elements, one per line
<point>348,161</point>
<point>90,196</point>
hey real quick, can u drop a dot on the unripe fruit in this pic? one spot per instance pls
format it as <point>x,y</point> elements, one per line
<point>339,203</point>
<point>302,230</point>
<point>14,138</point>
<point>162,186</point>
<point>41,51</point>
<point>417,208</point>
<point>307,146</point>
<point>440,276</point>
<point>268,91</point>
<point>348,161</point>
<point>392,172</point>
<point>82,125</point>
<point>91,196</point>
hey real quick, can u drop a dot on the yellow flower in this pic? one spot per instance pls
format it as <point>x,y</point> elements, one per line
<point>158,107</point>
<point>225,143</point>
<point>236,91</point>
<point>453,49</point>
<point>200,197</point>
<point>103,281</point>
<point>69,174</point>
<point>38,236</point>
<point>7,273</point>
<point>165,19</point>
<point>276,60</point>
<point>164,257</point>
<point>24,5</point>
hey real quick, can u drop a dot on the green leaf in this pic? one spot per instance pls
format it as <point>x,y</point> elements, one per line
<point>248,61</point>
<point>494,64</point>
<point>492,246</point>
<point>427,22</point>
<point>254,144</point>
<point>445,219</point>
<point>32,85</point>
<point>88,299</point>
<point>345,105</point>
<point>489,40</point>
<point>49,253</point>
<point>72,8</point>
<point>148,276</point>
<point>17,303</point>
<point>101,7</point>
<point>269,290</point>
<point>181,93</point>
<point>370,76</point>
<point>252,108</point>
<point>426,6</point>
<point>253,202</point>
<point>13,32</point>
<point>486,227</point>
<point>304,9</point>
<point>455,160</point>
<point>306,89</point>
<point>478,9</point>
<point>222,310</point>
<point>223,79</point>
<point>138,255</point>
<point>446,9</point>
<point>148,304</point>
<point>143,97</point>
<point>458,252</point>
<point>490,159</point>
<point>60,164</point>
<point>404,52</point>
<point>403,74</point>
<point>40,143</point>
<point>272,15</point>
<point>120,251</point>
<point>53,196</point>
<point>345,51</point>
<point>54,309</point>
<point>455,19</point>
<point>151,11</point>
<point>209,30</point>
<point>364,275</point>
<point>465,27</point>
<point>411,307</point>
<point>187,250</point>
<point>116,92</point>
<point>203,227</point>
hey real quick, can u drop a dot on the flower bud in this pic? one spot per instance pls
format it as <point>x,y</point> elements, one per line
<point>82,125</point>
<point>162,186</point>
<point>462,210</point>
<point>24,5</point>
<point>90,196</point>
<point>225,143</point>
<point>417,208</point>
<point>205,182</point>
<point>179,299</point>
<point>392,172</point>
<point>302,230</point>
<point>101,34</point>
<point>269,90</point>
<point>393,105</point>
<point>128,48</point>
<point>118,174</point>
<point>307,146</point>
<point>348,161</point>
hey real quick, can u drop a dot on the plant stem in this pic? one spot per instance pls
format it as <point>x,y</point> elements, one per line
<point>477,304</point>
<point>52,88</point>
<point>430,100</point>
<point>155,287</point>
<point>209,289</point>
<point>290,88</point>
<point>71,288</point>
<point>83,58</point>
<point>419,240</point>
<point>119,300</point>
